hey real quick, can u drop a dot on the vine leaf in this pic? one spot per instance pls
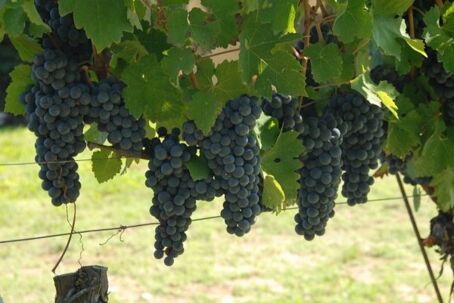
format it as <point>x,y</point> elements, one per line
<point>282,15</point>
<point>178,59</point>
<point>403,134</point>
<point>444,189</point>
<point>29,8</point>
<point>383,93</point>
<point>391,8</point>
<point>202,31</point>
<point>150,92</point>
<point>436,154</point>
<point>390,32</point>
<point>198,168</point>
<point>282,162</point>
<point>439,39</point>
<point>178,26</point>
<point>106,165</point>
<point>26,47</point>
<point>94,135</point>
<point>203,109</point>
<point>273,195</point>
<point>14,19</point>
<point>20,80</point>
<point>128,50</point>
<point>267,129</point>
<point>224,11</point>
<point>326,62</point>
<point>265,55</point>
<point>104,21</point>
<point>354,22</point>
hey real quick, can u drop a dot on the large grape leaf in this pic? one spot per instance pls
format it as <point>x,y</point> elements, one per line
<point>128,51</point>
<point>105,165</point>
<point>150,92</point>
<point>202,30</point>
<point>355,22</point>
<point>326,62</point>
<point>177,26</point>
<point>198,168</point>
<point>32,14</point>
<point>20,80</point>
<point>444,189</point>
<point>439,39</point>
<point>104,21</point>
<point>282,162</point>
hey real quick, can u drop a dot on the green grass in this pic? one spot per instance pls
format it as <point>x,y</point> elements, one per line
<point>369,253</point>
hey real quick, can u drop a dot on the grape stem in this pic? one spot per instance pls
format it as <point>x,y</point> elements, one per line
<point>194,81</point>
<point>69,240</point>
<point>411,22</point>
<point>119,152</point>
<point>322,7</point>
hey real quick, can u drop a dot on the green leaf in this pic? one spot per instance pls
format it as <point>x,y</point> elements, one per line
<point>436,154</point>
<point>326,62</point>
<point>256,44</point>
<point>439,39</point>
<point>391,7</point>
<point>444,189</point>
<point>354,22</point>
<point>32,14</point>
<point>177,25</point>
<point>282,15</point>
<point>20,80</point>
<point>273,195</point>
<point>104,21</point>
<point>128,50</point>
<point>198,168</point>
<point>267,130</point>
<point>282,72</point>
<point>26,47</point>
<point>105,165</point>
<point>178,59</point>
<point>229,84</point>
<point>202,32</point>
<point>14,20</point>
<point>224,11</point>
<point>204,109</point>
<point>150,92</point>
<point>386,30</point>
<point>282,162</point>
<point>94,135</point>
<point>384,93</point>
<point>403,134</point>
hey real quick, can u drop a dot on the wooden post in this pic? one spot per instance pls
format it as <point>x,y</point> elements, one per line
<point>87,285</point>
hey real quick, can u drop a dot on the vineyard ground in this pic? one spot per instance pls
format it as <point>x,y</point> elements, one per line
<point>369,253</point>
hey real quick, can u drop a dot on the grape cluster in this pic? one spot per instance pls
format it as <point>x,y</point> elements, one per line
<point>108,109</point>
<point>232,152</point>
<point>320,176</point>
<point>191,134</point>
<point>361,124</point>
<point>175,192</point>
<point>443,83</point>
<point>56,117</point>
<point>72,40</point>
<point>286,110</point>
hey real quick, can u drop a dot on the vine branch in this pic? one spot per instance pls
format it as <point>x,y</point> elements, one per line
<point>69,240</point>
